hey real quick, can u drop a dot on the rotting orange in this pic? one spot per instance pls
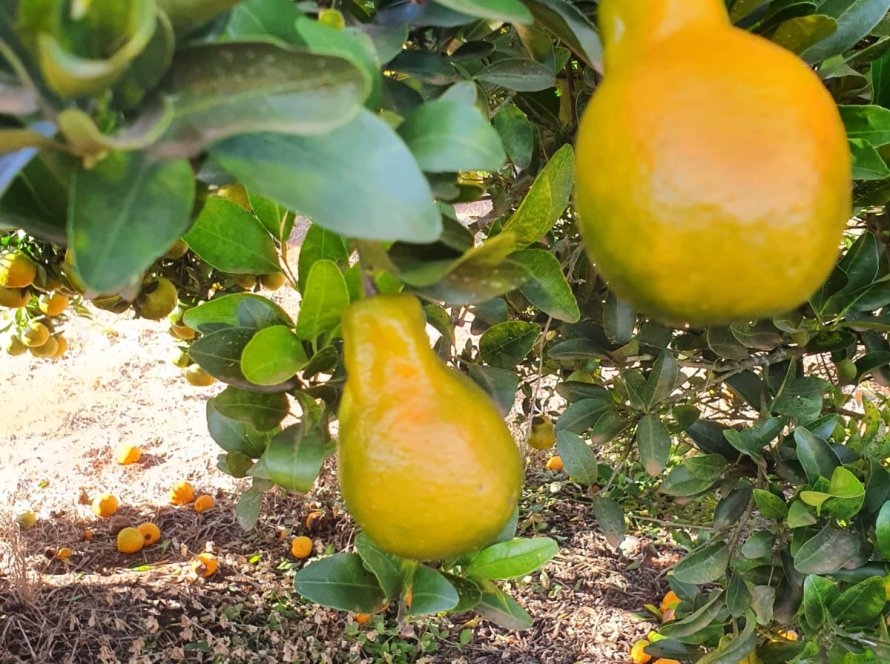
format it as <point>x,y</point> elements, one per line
<point>127,454</point>
<point>204,502</point>
<point>205,565</point>
<point>713,172</point>
<point>64,553</point>
<point>130,540</point>
<point>182,493</point>
<point>150,532</point>
<point>313,519</point>
<point>301,547</point>
<point>105,505</point>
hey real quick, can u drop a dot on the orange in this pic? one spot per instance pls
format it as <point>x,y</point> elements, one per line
<point>88,535</point>
<point>204,502</point>
<point>362,618</point>
<point>713,173</point>
<point>52,304</point>
<point>36,334</point>
<point>127,454</point>
<point>182,332</point>
<point>16,270</point>
<point>130,540</point>
<point>14,347</point>
<point>670,601</point>
<point>543,433</point>
<point>637,653</point>
<point>14,298</point>
<point>196,376</point>
<point>64,553</point>
<point>48,349</point>
<point>61,346</point>
<point>26,520</point>
<point>150,532</point>
<point>555,463</point>
<point>235,193</point>
<point>246,281</point>
<point>409,597</point>
<point>273,281</point>
<point>301,547</point>
<point>158,299</point>
<point>105,505</point>
<point>177,251</point>
<point>666,661</point>
<point>313,519</point>
<point>205,564</point>
<point>182,493</point>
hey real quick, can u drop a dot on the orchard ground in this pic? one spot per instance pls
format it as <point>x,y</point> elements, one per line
<point>60,425</point>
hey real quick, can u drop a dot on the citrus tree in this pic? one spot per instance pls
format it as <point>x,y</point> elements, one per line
<point>155,154</point>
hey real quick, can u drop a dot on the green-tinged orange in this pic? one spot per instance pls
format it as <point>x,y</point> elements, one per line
<point>35,334</point>
<point>14,346</point>
<point>14,298</point>
<point>713,173</point>
<point>543,433</point>
<point>158,299</point>
<point>48,349</point>
<point>196,376</point>
<point>52,304</point>
<point>427,465</point>
<point>273,281</point>
<point>16,270</point>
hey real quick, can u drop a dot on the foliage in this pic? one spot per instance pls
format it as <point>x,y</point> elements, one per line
<point>126,126</point>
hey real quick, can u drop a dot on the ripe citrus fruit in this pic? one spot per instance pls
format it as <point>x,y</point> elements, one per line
<point>159,299</point>
<point>301,547</point>
<point>182,493</point>
<point>64,553</point>
<point>196,376</point>
<point>543,434</point>
<point>713,173</point>
<point>47,349</point>
<point>35,334</point>
<point>235,193</point>
<point>16,270</point>
<point>13,346</point>
<point>127,454</point>
<point>14,298</point>
<point>130,540</point>
<point>205,564</point>
<point>273,281</point>
<point>670,601</point>
<point>662,660</point>
<point>150,532</point>
<point>52,304</point>
<point>204,502</point>
<point>182,332</point>
<point>638,654</point>
<point>362,618</point>
<point>105,505</point>
<point>426,464</point>
<point>61,346</point>
<point>26,520</point>
<point>555,463</point>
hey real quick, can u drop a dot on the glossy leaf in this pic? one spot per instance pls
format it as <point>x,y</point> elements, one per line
<point>815,455</point>
<point>510,11</point>
<point>661,380</point>
<point>826,552</point>
<point>263,411</point>
<point>319,244</point>
<point>582,415</point>
<point>547,287</point>
<point>507,344</point>
<point>229,310</point>
<point>294,457</point>
<point>882,530</point>
<point>340,582</point>
<point>516,558</point>
<point>501,384</point>
<point>124,213</point>
<point>855,19</point>
<point>234,435</point>
<point>431,593</point>
<point>324,300</point>
<point>571,26</point>
<point>770,505</point>
<point>705,565</point>
<point>610,518</point>
<point>860,605</point>
<point>579,460</point>
<point>502,609</point>
<point>802,32</point>
<point>517,135</point>
<point>654,444</point>
<point>517,74</point>
<point>385,566</point>
<point>695,621</point>
<point>341,179</point>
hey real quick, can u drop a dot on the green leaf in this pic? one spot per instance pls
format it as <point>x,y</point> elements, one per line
<point>847,494</point>
<point>264,18</point>
<point>500,384</point>
<point>224,312</point>
<point>799,516</point>
<point>654,444</point>
<point>661,380</point>
<point>517,135</point>
<point>681,482</point>
<point>580,461</point>
<point>385,566</point>
<point>468,590</point>
<point>448,136</point>
<point>431,593</point>
<point>509,560</point>
<point>517,74</point>
<point>867,123</point>
<point>234,435</point>
<point>294,457</point>
<point>324,300</point>
<point>815,455</point>
<point>186,15</point>
<point>263,411</point>
<point>733,650</point>
<point>247,511</point>
<point>582,415</point>
<point>732,506</point>
<point>705,565</point>
<point>571,26</point>
<point>342,180</point>
<point>546,200</point>
<point>826,552</point>
<point>770,505</point>
<point>855,20</point>
<point>801,32</point>
<point>610,518</point>
<point>509,11</point>
<point>867,161</point>
<point>506,344</point>
<point>818,595</point>
<point>861,604</point>
<point>124,213</point>
<point>502,609</point>
<point>880,78</point>
<point>340,582</point>
<point>319,244</point>
<point>547,287</point>
<point>231,239</point>
<point>882,530</point>
<point>696,621</point>
<point>619,320</point>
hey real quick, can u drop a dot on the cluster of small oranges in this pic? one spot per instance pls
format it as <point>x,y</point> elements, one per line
<point>667,609</point>
<point>38,302</point>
